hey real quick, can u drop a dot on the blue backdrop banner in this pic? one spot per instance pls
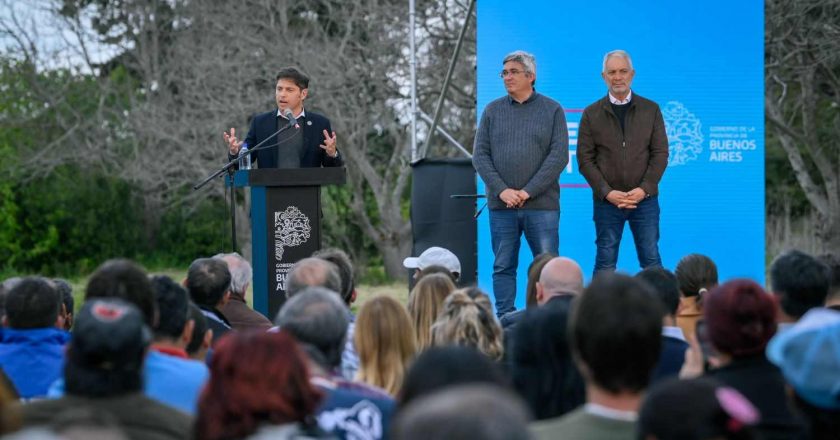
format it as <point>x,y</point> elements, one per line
<point>703,64</point>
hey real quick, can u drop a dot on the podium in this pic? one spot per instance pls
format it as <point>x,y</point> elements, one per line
<point>285,225</point>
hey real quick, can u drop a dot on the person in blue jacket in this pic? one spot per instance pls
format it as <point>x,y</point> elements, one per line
<point>33,338</point>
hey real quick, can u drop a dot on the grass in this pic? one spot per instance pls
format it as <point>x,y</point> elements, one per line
<point>398,290</point>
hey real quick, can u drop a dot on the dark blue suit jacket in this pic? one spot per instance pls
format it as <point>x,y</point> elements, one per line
<point>670,359</point>
<point>312,125</point>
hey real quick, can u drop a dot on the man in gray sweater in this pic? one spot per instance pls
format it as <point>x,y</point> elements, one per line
<point>521,146</point>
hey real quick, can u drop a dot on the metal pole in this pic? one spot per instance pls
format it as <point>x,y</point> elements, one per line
<point>446,135</point>
<point>232,212</point>
<point>439,106</point>
<point>413,70</point>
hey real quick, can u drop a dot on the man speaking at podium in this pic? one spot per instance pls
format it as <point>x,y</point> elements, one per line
<point>315,148</point>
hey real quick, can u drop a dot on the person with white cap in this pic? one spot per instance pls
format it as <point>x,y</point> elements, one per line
<point>434,256</point>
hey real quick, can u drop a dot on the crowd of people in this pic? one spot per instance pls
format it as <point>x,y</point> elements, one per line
<point>659,355</point>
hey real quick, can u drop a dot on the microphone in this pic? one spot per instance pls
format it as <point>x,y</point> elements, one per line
<point>251,150</point>
<point>291,117</point>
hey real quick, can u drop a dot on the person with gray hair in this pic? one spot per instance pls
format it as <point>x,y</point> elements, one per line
<point>620,54</point>
<point>237,312</point>
<point>312,272</point>
<point>349,358</point>
<point>320,272</point>
<point>317,318</point>
<point>622,152</point>
<point>521,146</point>
<point>474,412</point>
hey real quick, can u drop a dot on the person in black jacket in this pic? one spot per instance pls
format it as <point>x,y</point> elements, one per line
<point>311,143</point>
<point>674,343</point>
<point>208,281</point>
<point>740,320</point>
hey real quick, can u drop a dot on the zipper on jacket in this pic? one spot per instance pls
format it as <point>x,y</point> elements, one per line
<point>624,146</point>
<point>623,143</point>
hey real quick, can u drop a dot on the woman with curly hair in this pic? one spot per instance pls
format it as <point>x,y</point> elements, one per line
<point>259,387</point>
<point>468,319</point>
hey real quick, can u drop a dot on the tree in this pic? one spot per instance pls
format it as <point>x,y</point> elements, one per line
<point>802,101</point>
<point>221,67</point>
<point>187,70</point>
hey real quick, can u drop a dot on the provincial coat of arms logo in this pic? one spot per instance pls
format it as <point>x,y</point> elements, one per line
<point>291,228</point>
<point>685,137</point>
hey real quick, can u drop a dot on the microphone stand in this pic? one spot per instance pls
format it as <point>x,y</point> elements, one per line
<point>471,196</point>
<point>228,167</point>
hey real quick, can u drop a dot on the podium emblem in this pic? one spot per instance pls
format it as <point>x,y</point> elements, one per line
<point>291,228</point>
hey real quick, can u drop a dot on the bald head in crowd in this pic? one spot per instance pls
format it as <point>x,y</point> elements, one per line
<point>560,276</point>
<point>312,272</point>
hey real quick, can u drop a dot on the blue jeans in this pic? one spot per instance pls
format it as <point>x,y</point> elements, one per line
<point>506,228</point>
<point>609,225</point>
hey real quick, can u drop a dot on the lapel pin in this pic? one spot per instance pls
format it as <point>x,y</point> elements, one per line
<point>308,122</point>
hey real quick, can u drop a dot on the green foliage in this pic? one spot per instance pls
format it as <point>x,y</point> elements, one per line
<point>375,274</point>
<point>189,233</point>
<point>69,223</point>
<point>72,221</point>
<point>9,227</point>
<point>340,230</point>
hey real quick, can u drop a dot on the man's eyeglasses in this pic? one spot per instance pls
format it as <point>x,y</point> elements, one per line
<point>505,73</point>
